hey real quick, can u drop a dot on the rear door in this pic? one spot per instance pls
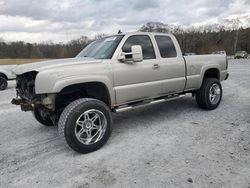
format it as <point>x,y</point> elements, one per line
<point>140,80</point>
<point>172,65</point>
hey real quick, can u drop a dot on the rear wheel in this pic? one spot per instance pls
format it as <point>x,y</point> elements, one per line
<point>85,125</point>
<point>210,94</point>
<point>3,83</point>
<point>42,117</point>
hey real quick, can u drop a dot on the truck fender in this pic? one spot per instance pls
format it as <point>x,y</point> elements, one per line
<point>58,85</point>
<point>203,71</point>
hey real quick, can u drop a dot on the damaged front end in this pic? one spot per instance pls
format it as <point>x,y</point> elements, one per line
<point>25,104</point>
<point>26,95</point>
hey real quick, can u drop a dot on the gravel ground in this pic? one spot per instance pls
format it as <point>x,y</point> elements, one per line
<point>171,144</point>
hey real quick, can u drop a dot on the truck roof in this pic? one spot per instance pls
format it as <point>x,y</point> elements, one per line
<point>141,33</point>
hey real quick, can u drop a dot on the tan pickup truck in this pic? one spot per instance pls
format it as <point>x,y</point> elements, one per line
<point>110,74</point>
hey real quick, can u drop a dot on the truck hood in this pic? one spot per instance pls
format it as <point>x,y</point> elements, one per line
<point>51,64</point>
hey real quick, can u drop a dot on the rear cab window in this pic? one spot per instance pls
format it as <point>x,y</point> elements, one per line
<point>165,46</point>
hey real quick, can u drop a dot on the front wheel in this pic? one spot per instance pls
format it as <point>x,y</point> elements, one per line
<point>210,94</point>
<point>3,83</point>
<point>85,125</point>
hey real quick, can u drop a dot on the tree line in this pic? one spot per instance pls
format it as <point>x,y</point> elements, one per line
<point>200,41</point>
<point>51,50</point>
<point>205,39</point>
<point>207,42</point>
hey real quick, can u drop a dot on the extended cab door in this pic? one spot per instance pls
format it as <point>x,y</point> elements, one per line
<point>137,80</point>
<point>172,64</point>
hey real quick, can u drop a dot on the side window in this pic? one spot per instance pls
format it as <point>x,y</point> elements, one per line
<point>144,41</point>
<point>166,46</point>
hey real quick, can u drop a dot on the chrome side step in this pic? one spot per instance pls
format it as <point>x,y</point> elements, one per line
<point>148,102</point>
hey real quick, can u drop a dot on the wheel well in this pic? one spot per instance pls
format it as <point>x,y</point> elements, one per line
<point>212,73</point>
<point>71,93</point>
<point>3,76</point>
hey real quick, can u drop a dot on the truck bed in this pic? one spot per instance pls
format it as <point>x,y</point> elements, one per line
<point>197,64</point>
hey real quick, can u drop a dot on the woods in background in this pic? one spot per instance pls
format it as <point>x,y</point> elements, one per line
<point>42,50</point>
<point>207,42</point>
<point>201,41</point>
<point>206,39</point>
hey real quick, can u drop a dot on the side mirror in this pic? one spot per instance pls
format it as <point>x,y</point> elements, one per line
<point>135,55</point>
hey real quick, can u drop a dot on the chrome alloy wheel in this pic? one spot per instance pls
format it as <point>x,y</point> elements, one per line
<point>214,93</point>
<point>90,126</point>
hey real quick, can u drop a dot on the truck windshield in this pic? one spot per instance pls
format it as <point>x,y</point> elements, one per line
<point>102,48</point>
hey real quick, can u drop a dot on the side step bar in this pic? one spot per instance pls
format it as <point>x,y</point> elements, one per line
<point>148,102</point>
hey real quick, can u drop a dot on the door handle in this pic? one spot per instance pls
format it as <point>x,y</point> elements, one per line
<point>156,66</point>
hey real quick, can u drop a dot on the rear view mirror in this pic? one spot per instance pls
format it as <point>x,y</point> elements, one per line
<point>135,55</point>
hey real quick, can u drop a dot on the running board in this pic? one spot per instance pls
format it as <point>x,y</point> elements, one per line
<point>148,102</point>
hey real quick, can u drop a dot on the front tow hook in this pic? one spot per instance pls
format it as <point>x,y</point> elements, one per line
<point>16,101</point>
<point>25,106</point>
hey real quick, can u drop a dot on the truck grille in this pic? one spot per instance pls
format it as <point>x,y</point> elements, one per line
<point>25,85</point>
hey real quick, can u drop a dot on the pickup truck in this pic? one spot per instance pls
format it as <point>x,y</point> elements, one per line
<point>5,75</point>
<point>112,74</point>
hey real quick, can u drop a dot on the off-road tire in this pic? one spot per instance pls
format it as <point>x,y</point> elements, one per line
<point>44,121</point>
<point>67,124</point>
<point>202,95</point>
<point>3,83</point>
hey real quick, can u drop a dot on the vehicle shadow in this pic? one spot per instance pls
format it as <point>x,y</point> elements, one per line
<point>130,120</point>
<point>169,110</point>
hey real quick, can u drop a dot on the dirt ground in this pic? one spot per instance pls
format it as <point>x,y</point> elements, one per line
<point>19,61</point>
<point>171,144</point>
